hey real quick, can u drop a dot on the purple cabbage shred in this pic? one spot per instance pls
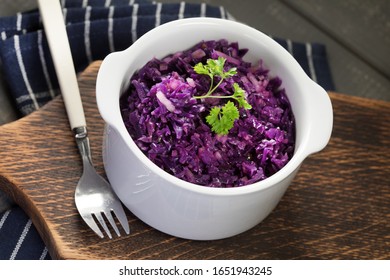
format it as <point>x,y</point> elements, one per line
<point>169,125</point>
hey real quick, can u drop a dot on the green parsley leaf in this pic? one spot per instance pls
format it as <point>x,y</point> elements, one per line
<point>230,111</point>
<point>230,73</point>
<point>201,69</point>
<point>216,66</point>
<point>214,115</point>
<point>239,94</point>
<point>222,119</point>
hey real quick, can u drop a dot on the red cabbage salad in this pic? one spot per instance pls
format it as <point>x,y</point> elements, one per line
<point>208,117</point>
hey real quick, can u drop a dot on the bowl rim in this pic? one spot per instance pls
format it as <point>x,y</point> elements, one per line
<point>293,164</point>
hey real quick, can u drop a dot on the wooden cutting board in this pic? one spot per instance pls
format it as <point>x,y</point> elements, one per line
<point>338,207</point>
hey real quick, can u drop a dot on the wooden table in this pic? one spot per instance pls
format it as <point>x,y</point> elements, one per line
<point>338,207</point>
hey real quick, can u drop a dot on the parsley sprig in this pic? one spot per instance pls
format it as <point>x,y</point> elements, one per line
<point>222,119</point>
<point>214,68</point>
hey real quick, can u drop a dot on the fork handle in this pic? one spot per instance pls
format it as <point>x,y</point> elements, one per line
<point>53,21</point>
<point>81,137</point>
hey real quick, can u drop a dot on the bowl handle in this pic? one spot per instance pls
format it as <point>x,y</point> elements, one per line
<point>108,88</point>
<point>321,124</point>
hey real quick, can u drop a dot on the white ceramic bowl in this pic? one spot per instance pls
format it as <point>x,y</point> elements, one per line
<point>180,208</point>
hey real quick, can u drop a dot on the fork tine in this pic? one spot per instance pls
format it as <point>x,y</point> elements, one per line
<point>99,217</point>
<point>88,219</point>
<point>121,215</point>
<point>112,222</point>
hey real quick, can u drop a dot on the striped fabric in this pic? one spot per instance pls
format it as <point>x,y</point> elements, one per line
<point>313,59</point>
<point>95,28</point>
<point>19,240</point>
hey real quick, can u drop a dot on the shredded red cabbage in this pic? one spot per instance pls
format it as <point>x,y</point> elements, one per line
<point>169,125</point>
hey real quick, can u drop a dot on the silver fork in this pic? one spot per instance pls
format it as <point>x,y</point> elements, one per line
<point>94,197</point>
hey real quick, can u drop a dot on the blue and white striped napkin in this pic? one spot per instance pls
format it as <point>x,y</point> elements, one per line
<point>95,28</point>
<point>19,239</point>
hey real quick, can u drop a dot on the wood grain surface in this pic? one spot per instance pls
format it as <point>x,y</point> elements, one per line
<point>338,207</point>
